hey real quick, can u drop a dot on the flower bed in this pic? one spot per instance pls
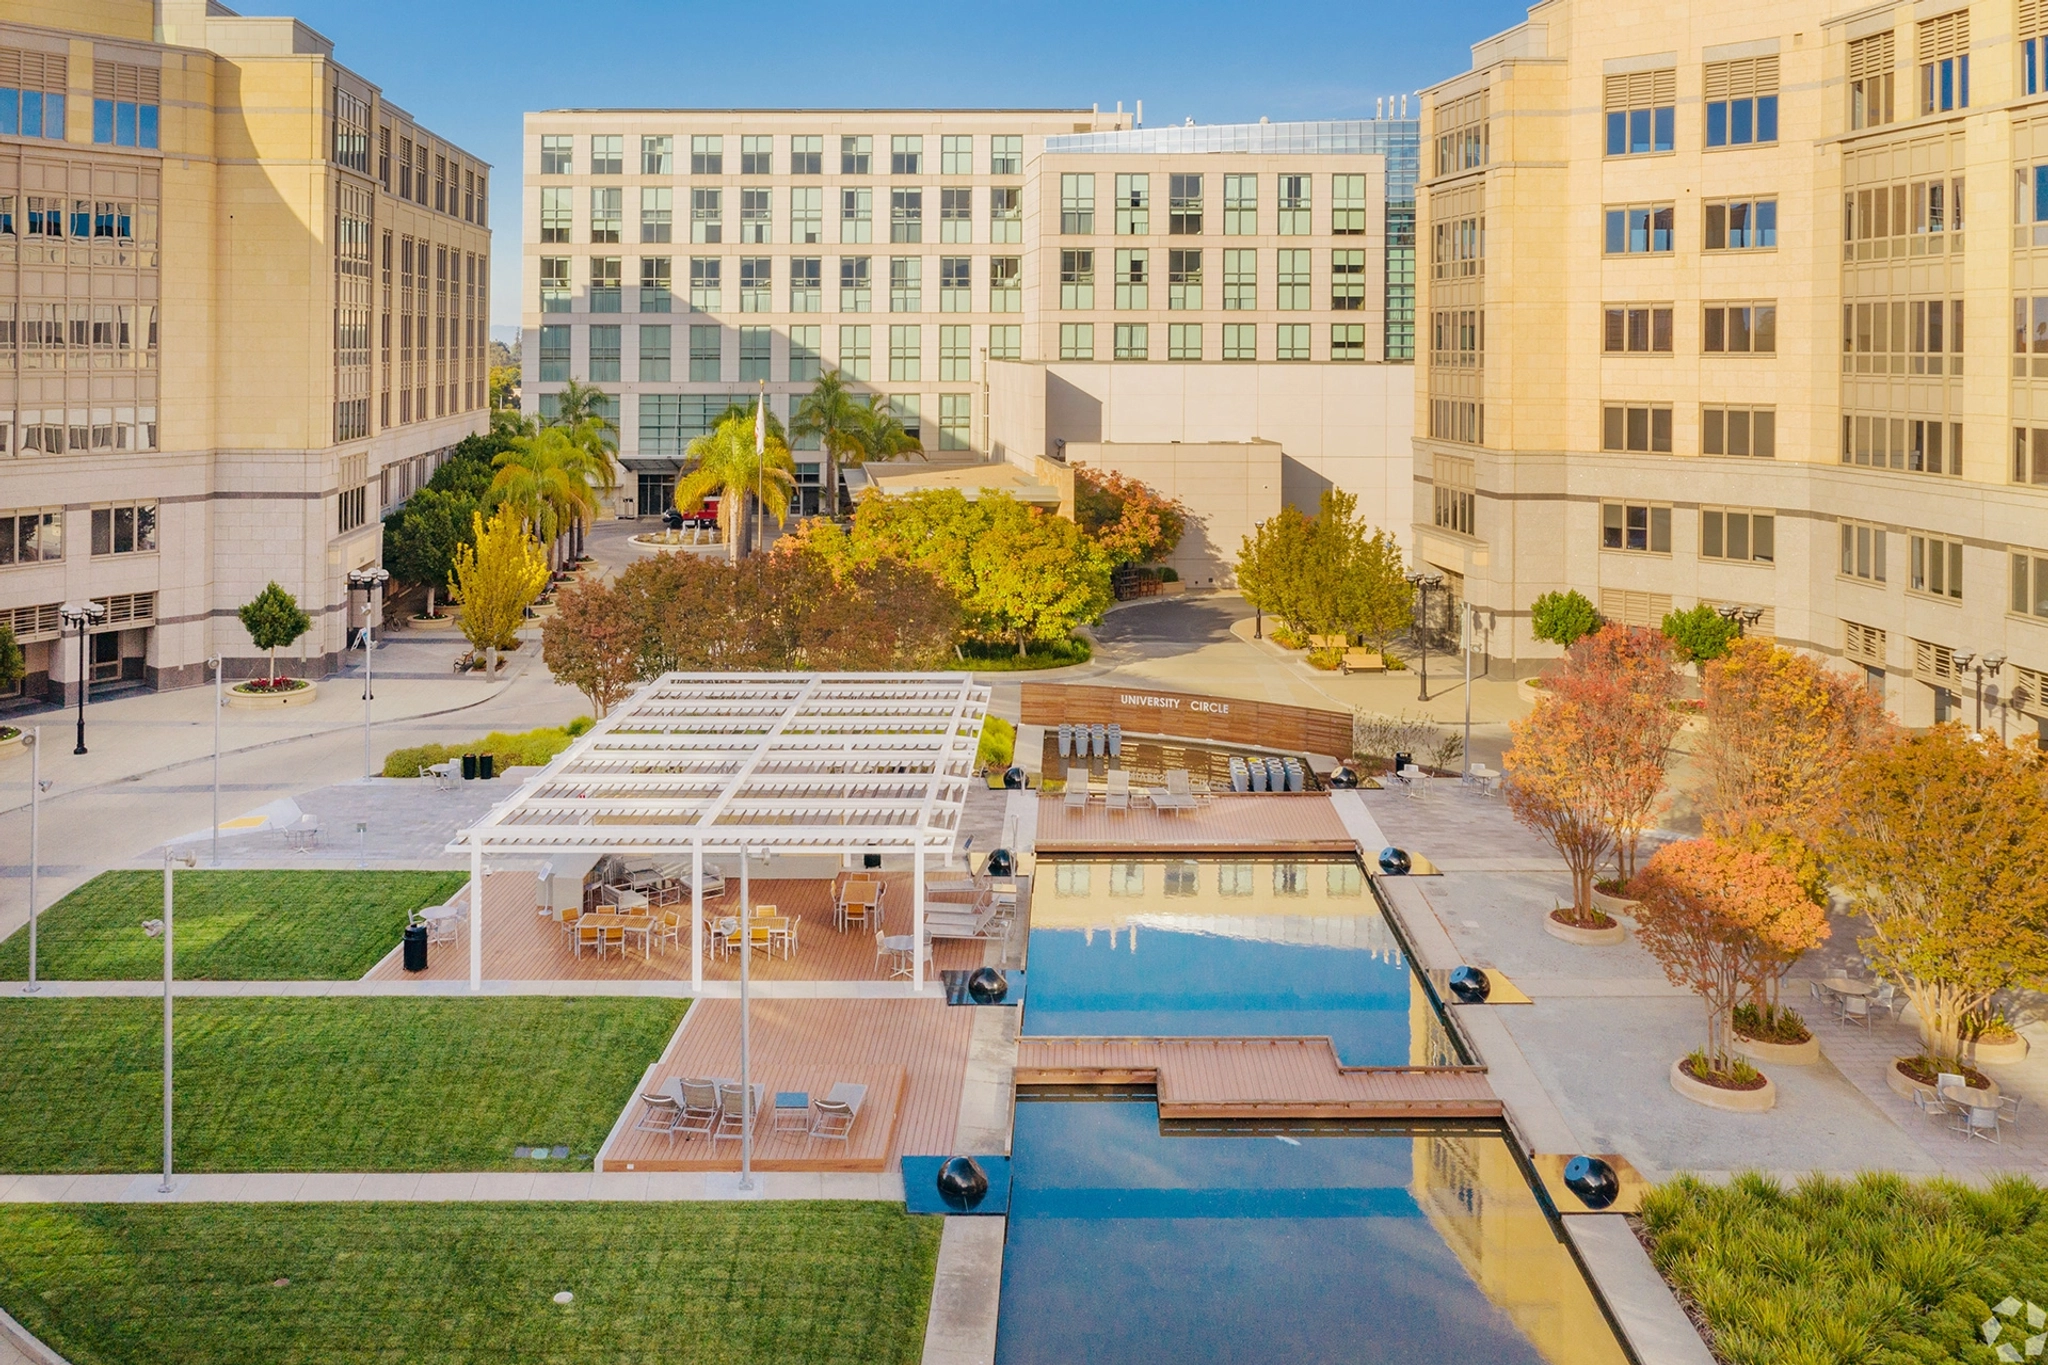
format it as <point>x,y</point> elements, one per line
<point>1770,1024</point>
<point>1737,1075</point>
<point>1924,1070</point>
<point>1593,929</point>
<point>267,687</point>
<point>1591,919</point>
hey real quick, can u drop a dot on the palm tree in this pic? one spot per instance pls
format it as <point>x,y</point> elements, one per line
<point>548,480</point>
<point>831,413</point>
<point>728,466</point>
<point>512,422</point>
<point>597,437</point>
<point>882,434</point>
<point>579,403</point>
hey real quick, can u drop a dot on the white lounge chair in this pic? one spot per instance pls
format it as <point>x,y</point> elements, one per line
<point>832,1117</point>
<point>1179,793</point>
<point>663,1114</point>
<point>698,1098</point>
<point>1119,797</point>
<point>1077,787</point>
<point>731,1116</point>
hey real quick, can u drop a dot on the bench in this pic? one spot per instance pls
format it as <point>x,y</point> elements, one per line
<point>1363,661</point>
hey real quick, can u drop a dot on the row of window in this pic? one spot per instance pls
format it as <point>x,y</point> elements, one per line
<point>58,216</point>
<point>756,220</point>
<point>1645,428</point>
<point>1185,217</point>
<point>77,431</point>
<point>805,154</point>
<point>37,537</point>
<point>1747,224</point>
<point>458,191</point>
<point>1741,107</point>
<point>1183,878</point>
<point>1132,341</point>
<point>1725,329</point>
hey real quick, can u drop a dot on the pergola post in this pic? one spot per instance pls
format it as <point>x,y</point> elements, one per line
<point>476,916</point>
<point>917,916</point>
<point>697,919</point>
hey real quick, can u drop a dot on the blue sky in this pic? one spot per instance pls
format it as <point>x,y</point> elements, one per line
<point>469,71</point>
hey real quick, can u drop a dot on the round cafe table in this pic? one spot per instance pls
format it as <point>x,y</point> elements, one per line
<point>1842,985</point>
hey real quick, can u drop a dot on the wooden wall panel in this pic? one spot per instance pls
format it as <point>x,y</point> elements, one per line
<point>1223,720</point>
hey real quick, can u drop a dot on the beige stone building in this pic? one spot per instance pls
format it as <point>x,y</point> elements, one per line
<point>1015,283</point>
<point>1737,304</point>
<point>242,312</point>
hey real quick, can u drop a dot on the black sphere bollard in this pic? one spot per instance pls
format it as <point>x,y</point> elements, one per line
<point>962,1182</point>
<point>1394,862</point>
<point>987,986</point>
<point>1344,778</point>
<point>1002,863</point>
<point>1013,779</point>
<point>1471,985</point>
<point>1592,1180</point>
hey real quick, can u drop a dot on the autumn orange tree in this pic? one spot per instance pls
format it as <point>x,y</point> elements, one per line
<point>592,642</point>
<point>1623,680</point>
<point>1941,840</point>
<point>1781,728</point>
<point>1555,786</point>
<point>1720,920</point>
<point>1130,521</point>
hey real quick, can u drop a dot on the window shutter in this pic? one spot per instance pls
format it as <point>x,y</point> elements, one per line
<point>1877,54</point>
<point>1865,644</point>
<point>2032,12</point>
<point>1934,663</point>
<point>1947,36</point>
<point>1737,80</point>
<point>1640,89</point>
<point>1633,608</point>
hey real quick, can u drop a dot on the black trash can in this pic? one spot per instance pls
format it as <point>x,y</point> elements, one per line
<point>486,765</point>
<point>469,767</point>
<point>1403,761</point>
<point>870,861</point>
<point>415,947</point>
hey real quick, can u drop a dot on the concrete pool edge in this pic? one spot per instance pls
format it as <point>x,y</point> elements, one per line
<point>1655,1329</point>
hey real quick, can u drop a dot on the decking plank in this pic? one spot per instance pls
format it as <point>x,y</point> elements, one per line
<point>1304,822</point>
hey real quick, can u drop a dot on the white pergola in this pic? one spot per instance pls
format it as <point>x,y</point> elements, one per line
<point>739,763</point>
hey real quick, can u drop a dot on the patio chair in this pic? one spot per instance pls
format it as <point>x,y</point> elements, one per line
<point>1077,787</point>
<point>1856,1010</point>
<point>589,936</point>
<point>731,1113</point>
<point>832,1117</point>
<point>439,772</point>
<point>1889,999</point>
<point>1116,741</point>
<point>881,947</point>
<point>1953,1089</point>
<point>613,937</point>
<point>663,1114</point>
<point>2009,1109</point>
<point>1979,1121</point>
<point>1179,793</point>
<point>1930,1106</point>
<point>1066,741</point>
<point>669,928</point>
<point>1119,797</point>
<point>699,1102</point>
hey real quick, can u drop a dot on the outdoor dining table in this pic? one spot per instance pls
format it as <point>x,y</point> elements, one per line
<point>1842,985</point>
<point>628,925</point>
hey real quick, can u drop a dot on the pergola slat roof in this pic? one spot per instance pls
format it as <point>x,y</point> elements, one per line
<point>724,761</point>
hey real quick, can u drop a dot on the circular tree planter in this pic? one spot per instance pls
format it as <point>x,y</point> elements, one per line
<point>1754,1101</point>
<point>1780,1054</point>
<point>1902,1084</point>
<point>13,740</point>
<point>1529,692</point>
<point>1614,905</point>
<point>446,621</point>
<point>2003,1053</point>
<point>240,697</point>
<point>1606,936</point>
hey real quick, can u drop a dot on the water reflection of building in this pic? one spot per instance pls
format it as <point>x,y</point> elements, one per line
<point>1478,1200</point>
<point>1317,903</point>
<point>1429,1039</point>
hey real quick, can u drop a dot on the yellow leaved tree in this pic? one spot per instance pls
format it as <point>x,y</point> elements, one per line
<point>495,581</point>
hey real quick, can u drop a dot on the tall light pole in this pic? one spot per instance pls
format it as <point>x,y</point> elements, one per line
<point>1465,634</point>
<point>1988,663</point>
<point>218,703</point>
<point>155,928</point>
<point>370,582</point>
<point>79,616</point>
<point>34,741</point>
<point>746,1054</point>
<point>1422,583</point>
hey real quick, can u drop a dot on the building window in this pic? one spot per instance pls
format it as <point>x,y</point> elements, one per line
<point>956,284</point>
<point>2030,455</point>
<point>1290,340</point>
<point>909,410</point>
<point>124,113</point>
<point>1133,341</point>
<point>906,155</point>
<point>1006,284</point>
<point>1637,528</point>
<point>1347,281</point>
<point>1741,225</point>
<point>756,354</point>
<point>1077,279</point>
<point>1184,206</point>
<point>855,352</point>
<point>1184,341</point>
<point>604,284</point>
<point>806,351</point>
<point>706,284</point>
<point>1739,431</point>
<point>1294,206</point>
<point>1133,275</point>
<point>554,284</point>
<point>607,210</point>
<point>1937,566</point>
<point>1639,228</point>
<point>1870,80</point>
<point>1945,63</point>
<point>657,213</point>
<point>956,155</point>
<point>1184,281</point>
<point>1240,206</point>
<point>353,506</point>
<point>1006,214</point>
<point>906,284</point>
<point>856,215</point>
<point>955,360</point>
<point>756,216</point>
<point>806,215</point>
<point>707,215</point>
<point>1740,329</point>
<point>37,537</point>
<point>654,354</point>
<point>1240,340</point>
<point>1863,551</point>
<point>1293,273</point>
<point>1636,329</point>
<point>1458,338</point>
<point>855,284</point>
<point>1347,341</point>
<point>1746,537</point>
<point>707,155</point>
<point>1742,102</point>
<point>757,284</point>
<point>956,214</point>
<point>657,284</point>
<point>604,355</point>
<point>555,156</point>
<point>1133,205</point>
<point>806,284</point>
<point>608,154</point>
<point>554,354</point>
<point>1640,112</point>
<point>118,116</point>
<point>856,155</point>
<point>1636,426</point>
<point>1456,501</point>
<point>1077,341</point>
<point>906,354</point>
<point>555,214</point>
<point>956,417</point>
<point>906,215</point>
<point>1913,444</point>
<point>1077,204</point>
<point>1006,342</point>
<point>705,355</point>
<point>657,155</point>
<point>1240,281</point>
<point>2029,582</point>
<point>1347,205</point>
<point>757,155</point>
<point>1006,154</point>
<point>807,155</point>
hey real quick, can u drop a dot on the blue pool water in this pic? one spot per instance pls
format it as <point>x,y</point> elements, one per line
<point>1133,1246</point>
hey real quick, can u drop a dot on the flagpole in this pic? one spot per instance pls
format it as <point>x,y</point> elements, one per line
<point>760,458</point>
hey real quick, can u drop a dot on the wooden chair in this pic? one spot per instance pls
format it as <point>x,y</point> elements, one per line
<point>612,936</point>
<point>668,930</point>
<point>589,936</point>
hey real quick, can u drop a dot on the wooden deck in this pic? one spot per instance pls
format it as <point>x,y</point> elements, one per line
<point>1303,821</point>
<point>911,1055</point>
<point>521,945</point>
<point>1225,1078</point>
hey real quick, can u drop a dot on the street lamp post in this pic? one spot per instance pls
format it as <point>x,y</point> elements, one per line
<point>79,616</point>
<point>370,582</point>
<point>1422,583</point>
<point>215,664</point>
<point>162,928</point>
<point>1979,666</point>
<point>34,741</point>
<point>1964,660</point>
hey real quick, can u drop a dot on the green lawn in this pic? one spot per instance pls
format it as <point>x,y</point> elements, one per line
<point>430,1284</point>
<point>1876,1271</point>
<point>329,1084</point>
<point>231,925</point>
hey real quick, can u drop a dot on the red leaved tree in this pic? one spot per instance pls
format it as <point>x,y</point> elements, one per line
<point>1623,679</point>
<point>1556,787</point>
<point>592,643</point>
<point>1721,920</point>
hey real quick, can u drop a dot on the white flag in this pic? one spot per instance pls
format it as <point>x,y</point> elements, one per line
<point>761,425</point>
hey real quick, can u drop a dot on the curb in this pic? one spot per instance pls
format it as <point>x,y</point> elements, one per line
<point>27,1342</point>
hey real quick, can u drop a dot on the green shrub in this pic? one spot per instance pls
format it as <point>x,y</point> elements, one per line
<point>1325,659</point>
<point>1562,618</point>
<point>531,749</point>
<point>1771,1024</point>
<point>1699,635</point>
<point>1283,637</point>
<point>998,743</point>
<point>1168,574</point>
